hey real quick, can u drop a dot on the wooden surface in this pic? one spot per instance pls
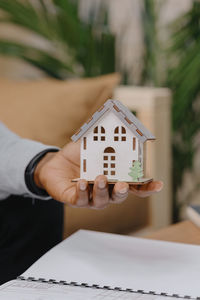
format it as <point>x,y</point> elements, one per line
<point>183,232</point>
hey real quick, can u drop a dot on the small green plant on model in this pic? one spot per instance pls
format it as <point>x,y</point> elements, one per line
<point>136,171</point>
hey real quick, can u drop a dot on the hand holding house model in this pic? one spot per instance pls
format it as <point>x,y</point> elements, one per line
<point>112,143</point>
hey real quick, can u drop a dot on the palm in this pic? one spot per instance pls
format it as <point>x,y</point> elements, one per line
<point>59,172</point>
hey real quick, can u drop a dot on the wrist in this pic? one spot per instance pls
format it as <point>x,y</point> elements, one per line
<point>39,168</point>
<point>33,179</point>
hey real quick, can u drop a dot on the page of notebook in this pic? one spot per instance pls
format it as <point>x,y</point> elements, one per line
<point>23,290</point>
<point>121,261</point>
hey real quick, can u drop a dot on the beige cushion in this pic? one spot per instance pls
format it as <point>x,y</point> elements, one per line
<point>50,111</point>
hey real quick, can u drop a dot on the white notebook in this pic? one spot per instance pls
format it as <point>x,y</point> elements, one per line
<point>113,262</point>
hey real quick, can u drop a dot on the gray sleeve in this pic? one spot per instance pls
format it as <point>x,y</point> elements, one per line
<point>15,155</point>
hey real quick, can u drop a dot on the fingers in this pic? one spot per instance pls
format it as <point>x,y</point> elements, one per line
<point>100,193</point>
<point>77,195</point>
<point>120,192</point>
<point>82,194</point>
<point>146,190</point>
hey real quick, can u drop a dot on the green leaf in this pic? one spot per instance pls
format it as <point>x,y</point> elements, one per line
<point>149,22</point>
<point>79,47</point>
<point>46,62</point>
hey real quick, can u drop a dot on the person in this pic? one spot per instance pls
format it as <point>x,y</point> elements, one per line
<point>32,177</point>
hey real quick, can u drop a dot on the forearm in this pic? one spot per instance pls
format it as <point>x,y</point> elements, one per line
<point>15,155</point>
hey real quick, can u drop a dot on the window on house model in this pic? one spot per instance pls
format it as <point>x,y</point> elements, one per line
<point>99,133</point>
<point>120,134</point>
<point>134,143</point>
<point>84,143</point>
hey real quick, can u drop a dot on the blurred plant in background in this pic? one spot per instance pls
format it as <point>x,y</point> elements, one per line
<point>150,74</point>
<point>184,80</point>
<point>88,48</point>
<point>75,48</point>
<point>182,76</point>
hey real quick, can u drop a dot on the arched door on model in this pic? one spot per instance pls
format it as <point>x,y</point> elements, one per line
<point>109,162</point>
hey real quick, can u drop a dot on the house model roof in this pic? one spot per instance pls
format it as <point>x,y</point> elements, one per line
<point>123,113</point>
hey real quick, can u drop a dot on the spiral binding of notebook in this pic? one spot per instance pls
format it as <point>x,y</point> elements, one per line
<point>96,286</point>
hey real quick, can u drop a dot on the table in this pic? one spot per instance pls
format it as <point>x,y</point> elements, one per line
<point>183,232</point>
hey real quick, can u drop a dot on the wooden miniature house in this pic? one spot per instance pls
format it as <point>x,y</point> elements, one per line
<point>111,141</point>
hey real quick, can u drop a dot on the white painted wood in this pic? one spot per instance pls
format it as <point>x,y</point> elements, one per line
<point>153,108</point>
<point>95,150</point>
